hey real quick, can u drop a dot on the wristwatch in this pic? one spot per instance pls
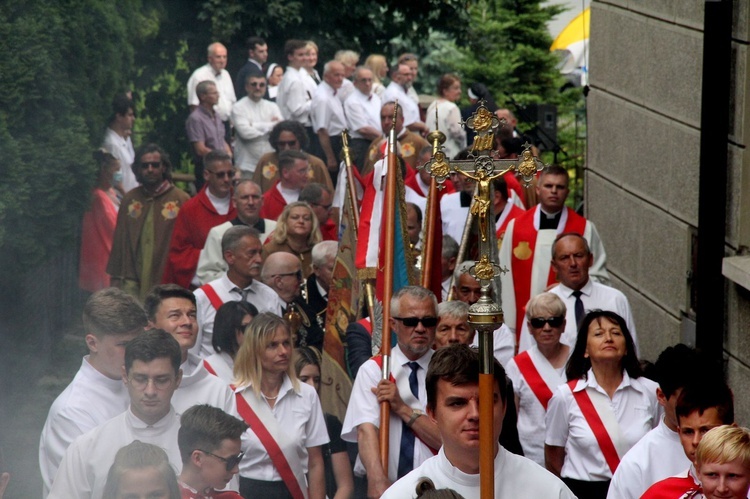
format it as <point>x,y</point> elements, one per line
<point>414,415</point>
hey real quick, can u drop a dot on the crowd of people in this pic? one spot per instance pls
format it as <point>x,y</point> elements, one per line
<point>207,316</point>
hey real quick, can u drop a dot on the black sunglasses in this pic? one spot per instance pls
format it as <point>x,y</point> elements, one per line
<point>230,462</point>
<point>413,321</point>
<point>297,274</point>
<point>539,322</point>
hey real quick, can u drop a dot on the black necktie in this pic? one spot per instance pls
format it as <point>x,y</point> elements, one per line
<point>406,452</point>
<point>578,308</point>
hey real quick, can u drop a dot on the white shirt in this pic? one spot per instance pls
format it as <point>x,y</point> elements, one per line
<point>301,417</point>
<point>503,344</point>
<point>364,408</point>
<point>594,296</point>
<point>198,386</point>
<point>362,111</point>
<point>541,263</point>
<point>122,149</point>
<point>294,97</point>
<point>531,412</point>
<point>636,410</point>
<point>224,85</point>
<point>223,365</point>
<point>347,87</point>
<point>394,92</point>
<point>515,477</point>
<point>448,122</point>
<point>211,263</point>
<point>88,401</point>
<point>221,205</point>
<point>454,220</point>
<point>264,298</point>
<point>253,122</point>
<point>83,471</point>
<point>655,457</point>
<point>327,111</point>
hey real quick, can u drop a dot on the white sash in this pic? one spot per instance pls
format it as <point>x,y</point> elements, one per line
<point>404,390</point>
<point>548,373</point>
<point>601,403</point>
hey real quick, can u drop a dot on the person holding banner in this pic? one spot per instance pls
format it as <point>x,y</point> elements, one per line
<point>538,371</point>
<point>286,422</point>
<point>603,410</point>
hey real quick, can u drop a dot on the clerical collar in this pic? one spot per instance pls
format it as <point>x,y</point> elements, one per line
<point>260,225</point>
<point>547,220</point>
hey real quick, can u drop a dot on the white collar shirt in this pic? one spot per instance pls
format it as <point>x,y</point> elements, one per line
<point>635,408</point>
<point>362,111</point>
<point>327,111</point>
<point>294,97</point>
<point>198,386</point>
<point>122,149</point>
<point>253,122</point>
<point>224,85</point>
<point>394,92</point>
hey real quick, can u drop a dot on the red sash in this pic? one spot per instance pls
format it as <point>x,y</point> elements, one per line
<point>209,368</point>
<point>367,324</point>
<point>533,378</point>
<point>273,449</point>
<point>379,361</point>
<point>596,425</point>
<point>216,302</point>
<point>524,231</point>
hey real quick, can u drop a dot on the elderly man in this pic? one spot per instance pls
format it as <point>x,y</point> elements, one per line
<point>572,261</point>
<point>253,117</point>
<point>362,109</point>
<point>172,308</point>
<point>413,438</point>
<point>257,55</point>
<point>319,283</point>
<point>214,71</point>
<point>247,200</point>
<point>282,272</point>
<point>111,319</point>
<point>288,135</point>
<point>241,248</point>
<point>327,115</point>
<point>294,174</point>
<point>212,206</point>
<point>117,139</point>
<point>409,143</point>
<point>402,78</point>
<point>205,129</point>
<point>453,406</point>
<point>320,199</point>
<point>151,375</point>
<point>144,224</point>
<point>527,245</point>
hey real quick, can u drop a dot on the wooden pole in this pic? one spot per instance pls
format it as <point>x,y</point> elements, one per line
<point>389,216</point>
<point>429,236</point>
<point>487,441</point>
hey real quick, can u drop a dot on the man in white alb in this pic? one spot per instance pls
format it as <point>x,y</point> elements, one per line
<point>253,118</point>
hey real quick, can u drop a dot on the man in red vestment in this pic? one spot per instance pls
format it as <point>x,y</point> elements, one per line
<point>320,198</point>
<point>211,207</point>
<point>294,169</point>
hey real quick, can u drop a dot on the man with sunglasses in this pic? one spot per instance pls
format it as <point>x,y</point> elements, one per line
<point>320,199</point>
<point>412,438</point>
<point>150,210</point>
<point>212,206</point>
<point>209,441</point>
<point>151,375</point>
<point>253,117</point>
<point>571,260</point>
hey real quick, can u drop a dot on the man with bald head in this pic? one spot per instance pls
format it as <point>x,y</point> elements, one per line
<point>409,143</point>
<point>362,109</point>
<point>282,272</point>
<point>216,72</point>
<point>327,115</point>
<point>402,78</point>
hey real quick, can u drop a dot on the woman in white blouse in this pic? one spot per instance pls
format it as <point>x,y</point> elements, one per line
<point>283,414</point>
<point>448,115</point>
<point>544,362</point>
<point>603,410</point>
<point>229,331</point>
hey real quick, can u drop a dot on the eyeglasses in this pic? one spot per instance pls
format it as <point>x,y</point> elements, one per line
<point>230,462</point>
<point>297,274</point>
<point>539,322</point>
<point>324,206</point>
<point>145,165</point>
<point>288,143</point>
<point>140,381</point>
<point>413,321</point>
<point>257,84</point>
<point>227,174</point>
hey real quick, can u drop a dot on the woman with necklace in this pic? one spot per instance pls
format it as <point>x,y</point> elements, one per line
<point>538,371</point>
<point>297,231</point>
<point>283,456</point>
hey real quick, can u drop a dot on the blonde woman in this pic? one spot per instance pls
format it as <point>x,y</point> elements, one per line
<point>287,428</point>
<point>379,67</point>
<point>297,231</point>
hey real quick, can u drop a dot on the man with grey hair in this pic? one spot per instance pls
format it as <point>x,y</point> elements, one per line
<point>402,78</point>
<point>319,282</point>
<point>247,200</point>
<point>320,199</point>
<point>448,257</point>
<point>453,325</point>
<point>468,290</point>
<point>111,318</point>
<point>327,115</point>
<point>215,71</point>
<point>241,248</point>
<point>412,437</point>
<point>205,128</point>
<point>362,109</point>
<point>349,59</point>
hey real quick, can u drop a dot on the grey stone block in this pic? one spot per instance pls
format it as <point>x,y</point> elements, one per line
<point>738,376</point>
